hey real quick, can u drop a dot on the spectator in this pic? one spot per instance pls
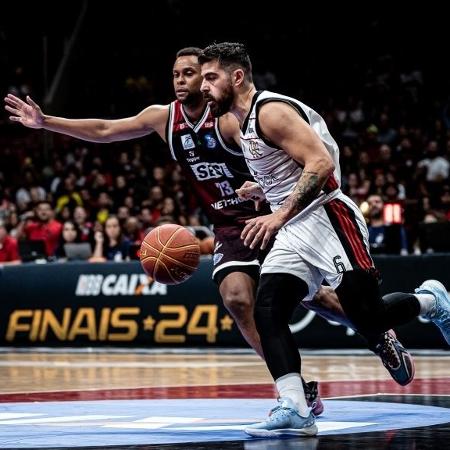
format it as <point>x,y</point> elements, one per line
<point>70,234</point>
<point>133,231</point>
<point>85,227</point>
<point>436,166</point>
<point>384,237</point>
<point>9,252</point>
<point>40,225</point>
<point>111,245</point>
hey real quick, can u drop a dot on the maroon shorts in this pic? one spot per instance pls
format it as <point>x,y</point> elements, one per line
<point>231,255</point>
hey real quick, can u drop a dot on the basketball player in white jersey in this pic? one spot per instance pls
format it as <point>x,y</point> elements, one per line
<point>321,234</point>
<point>197,139</point>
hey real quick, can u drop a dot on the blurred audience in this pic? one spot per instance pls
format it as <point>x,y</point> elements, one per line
<point>9,251</point>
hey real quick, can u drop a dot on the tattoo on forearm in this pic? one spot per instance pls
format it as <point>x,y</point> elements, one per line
<point>306,190</point>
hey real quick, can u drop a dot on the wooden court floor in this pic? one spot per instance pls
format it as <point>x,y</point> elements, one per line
<point>43,372</point>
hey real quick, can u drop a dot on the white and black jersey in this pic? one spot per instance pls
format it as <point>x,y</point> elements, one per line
<point>275,171</point>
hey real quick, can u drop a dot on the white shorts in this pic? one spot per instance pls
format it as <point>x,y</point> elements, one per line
<point>330,240</point>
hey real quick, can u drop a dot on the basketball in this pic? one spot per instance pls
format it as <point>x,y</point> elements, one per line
<point>170,254</point>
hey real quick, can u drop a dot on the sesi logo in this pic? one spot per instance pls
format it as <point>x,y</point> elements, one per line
<point>208,171</point>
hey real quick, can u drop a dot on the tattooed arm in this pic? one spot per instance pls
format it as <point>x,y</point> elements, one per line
<point>283,126</point>
<point>306,190</point>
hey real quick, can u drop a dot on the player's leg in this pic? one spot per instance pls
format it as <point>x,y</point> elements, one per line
<point>237,286</point>
<point>285,279</point>
<point>373,317</point>
<point>277,297</point>
<point>326,304</point>
<point>387,347</point>
<point>335,238</point>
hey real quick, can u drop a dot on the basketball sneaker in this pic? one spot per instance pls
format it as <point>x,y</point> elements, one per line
<point>284,420</point>
<point>440,313</point>
<point>395,358</point>
<point>313,400</point>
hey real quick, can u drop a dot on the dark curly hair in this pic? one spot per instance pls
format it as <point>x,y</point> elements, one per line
<point>230,56</point>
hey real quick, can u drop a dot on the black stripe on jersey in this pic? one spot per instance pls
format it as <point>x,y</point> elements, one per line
<point>237,151</point>
<point>276,99</point>
<point>245,124</point>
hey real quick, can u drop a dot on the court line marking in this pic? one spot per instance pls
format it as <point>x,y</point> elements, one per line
<point>218,384</point>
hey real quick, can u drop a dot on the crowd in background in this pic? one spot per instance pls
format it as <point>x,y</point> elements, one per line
<point>391,123</point>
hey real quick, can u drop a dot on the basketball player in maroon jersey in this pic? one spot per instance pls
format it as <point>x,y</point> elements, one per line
<point>206,149</point>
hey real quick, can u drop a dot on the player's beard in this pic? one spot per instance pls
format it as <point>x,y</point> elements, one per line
<point>222,105</point>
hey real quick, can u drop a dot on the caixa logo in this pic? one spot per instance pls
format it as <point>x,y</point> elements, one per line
<point>118,284</point>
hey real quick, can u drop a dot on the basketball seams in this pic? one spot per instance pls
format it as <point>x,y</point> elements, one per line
<point>164,246</point>
<point>159,261</point>
<point>181,247</point>
<point>150,246</point>
<point>179,262</point>
<point>168,271</point>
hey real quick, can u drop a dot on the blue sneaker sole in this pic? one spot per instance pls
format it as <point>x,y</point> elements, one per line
<point>282,432</point>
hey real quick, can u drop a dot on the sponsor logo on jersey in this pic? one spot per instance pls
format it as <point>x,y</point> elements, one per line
<point>207,171</point>
<point>217,257</point>
<point>210,141</point>
<point>265,180</point>
<point>187,142</point>
<point>218,245</point>
<point>227,202</point>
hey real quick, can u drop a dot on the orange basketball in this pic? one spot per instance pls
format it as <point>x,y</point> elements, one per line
<point>170,254</point>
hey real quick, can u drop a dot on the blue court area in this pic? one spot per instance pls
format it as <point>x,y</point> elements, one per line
<point>134,422</point>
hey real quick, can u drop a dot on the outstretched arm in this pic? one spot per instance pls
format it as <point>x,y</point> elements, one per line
<point>29,114</point>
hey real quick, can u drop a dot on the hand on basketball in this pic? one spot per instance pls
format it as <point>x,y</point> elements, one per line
<point>251,191</point>
<point>261,229</point>
<point>28,114</point>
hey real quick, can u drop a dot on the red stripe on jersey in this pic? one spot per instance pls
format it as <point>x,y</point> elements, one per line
<point>351,233</point>
<point>331,184</point>
<point>178,120</point>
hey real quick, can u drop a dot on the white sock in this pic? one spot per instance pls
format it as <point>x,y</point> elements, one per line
<point>427,303</point>
<point>290,386</point>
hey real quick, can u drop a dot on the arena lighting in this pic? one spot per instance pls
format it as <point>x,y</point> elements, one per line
<point>392,213</point>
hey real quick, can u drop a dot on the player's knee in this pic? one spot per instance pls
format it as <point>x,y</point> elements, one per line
<point>276,299</point>
<point>360,296</point>
<point>239,302</point>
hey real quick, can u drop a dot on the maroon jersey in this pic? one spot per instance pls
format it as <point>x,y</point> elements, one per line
<point>214,168</point>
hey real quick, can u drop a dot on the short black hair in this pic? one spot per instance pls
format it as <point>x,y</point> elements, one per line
<point>189,51</point>
<point>229,55</point>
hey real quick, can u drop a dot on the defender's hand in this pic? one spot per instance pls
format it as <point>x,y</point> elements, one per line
<point>28,114</point>
<point>251,191</point>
